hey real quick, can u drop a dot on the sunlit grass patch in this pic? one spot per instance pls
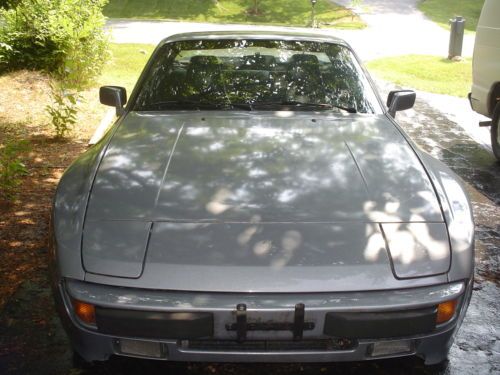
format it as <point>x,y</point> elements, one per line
<point>271,12</point>
<point>440,11</point>
<point>427,73</point>
<point>126,65</point>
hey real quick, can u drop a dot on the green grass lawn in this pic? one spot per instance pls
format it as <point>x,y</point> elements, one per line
<point>272,12</point>
<point>427,73</point>
<point>440,11</point>
<point>126,65</point>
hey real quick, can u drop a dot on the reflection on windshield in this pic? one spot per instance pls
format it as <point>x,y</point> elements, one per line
<point>260,74</point>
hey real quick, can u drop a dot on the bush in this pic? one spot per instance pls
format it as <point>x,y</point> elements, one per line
<point>63,110</point>
<point>64,37</point>
<point>8,3</point>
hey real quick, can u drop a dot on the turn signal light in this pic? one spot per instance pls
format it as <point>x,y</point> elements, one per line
<point>446,310</point>
<point>84,311</point>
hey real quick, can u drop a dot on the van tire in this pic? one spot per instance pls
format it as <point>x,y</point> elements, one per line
<point>495,132</point>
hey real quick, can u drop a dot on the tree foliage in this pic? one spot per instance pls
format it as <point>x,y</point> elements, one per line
<point>8,3</point>
<point>255,9</point>
<point>64,37</point>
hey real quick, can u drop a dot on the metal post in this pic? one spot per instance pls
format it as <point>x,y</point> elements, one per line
<point>313,13</point>
<point>456,37</point>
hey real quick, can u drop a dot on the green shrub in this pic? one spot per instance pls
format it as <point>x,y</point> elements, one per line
<point>59,36</point>
<point>11,167</point>
<point>8,3</point>
<point>5,49</point>
<point>63,110</point>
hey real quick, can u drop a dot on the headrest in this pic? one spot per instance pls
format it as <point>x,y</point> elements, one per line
<point>303,59</point>
<point>203,60</point>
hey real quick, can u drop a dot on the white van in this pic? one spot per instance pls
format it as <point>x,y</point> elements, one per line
<point>485,95</point>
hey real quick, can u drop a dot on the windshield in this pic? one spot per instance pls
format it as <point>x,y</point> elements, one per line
<point>255,74</point>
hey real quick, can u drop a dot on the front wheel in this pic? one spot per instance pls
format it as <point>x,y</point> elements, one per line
<point>437,369</point>
<point>495,132</point>
<point>81,363</point>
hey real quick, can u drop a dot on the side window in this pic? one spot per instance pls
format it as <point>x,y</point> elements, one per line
<point>157,87</point>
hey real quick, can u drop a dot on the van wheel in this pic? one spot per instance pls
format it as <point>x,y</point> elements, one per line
<point>495,132</point>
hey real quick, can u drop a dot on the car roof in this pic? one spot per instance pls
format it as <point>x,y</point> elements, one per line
<point>260,34</point>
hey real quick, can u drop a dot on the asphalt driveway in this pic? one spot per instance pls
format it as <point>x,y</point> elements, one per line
<point>395,27</point>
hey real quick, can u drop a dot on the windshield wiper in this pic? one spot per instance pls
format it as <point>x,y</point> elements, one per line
<point>348,109</point>
<point>199,105</point>
<point>194,104</point>
<point>184,104</point>
<point>292,103</point>
<point>305,105</point>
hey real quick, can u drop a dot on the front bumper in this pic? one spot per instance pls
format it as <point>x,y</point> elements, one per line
<point>223,341</point>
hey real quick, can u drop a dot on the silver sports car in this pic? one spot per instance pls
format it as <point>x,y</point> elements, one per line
<point>256,201</point>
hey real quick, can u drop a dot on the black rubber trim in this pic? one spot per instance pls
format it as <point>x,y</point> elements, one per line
<point>371,325</point>
<point>154,324</point>
<point>298,322</point>
<point>241,322</point>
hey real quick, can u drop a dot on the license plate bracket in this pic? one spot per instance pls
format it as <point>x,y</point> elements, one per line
<point>297,327</point>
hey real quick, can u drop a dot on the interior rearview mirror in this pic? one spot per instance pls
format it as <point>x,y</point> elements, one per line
<point>400,100</point>
<point>114,96</point>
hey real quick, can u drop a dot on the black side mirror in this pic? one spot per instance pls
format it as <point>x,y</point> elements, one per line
<point>114,96</point>
<point>400,100</point>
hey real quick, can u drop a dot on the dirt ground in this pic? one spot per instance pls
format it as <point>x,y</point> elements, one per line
<point>24,220</point>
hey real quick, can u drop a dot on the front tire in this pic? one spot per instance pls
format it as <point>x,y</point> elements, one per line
<point>438,369</point>
<point>495,132</point>
<point>81,363</point>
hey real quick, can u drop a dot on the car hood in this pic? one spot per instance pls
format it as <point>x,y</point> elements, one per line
<point>271,193</point>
